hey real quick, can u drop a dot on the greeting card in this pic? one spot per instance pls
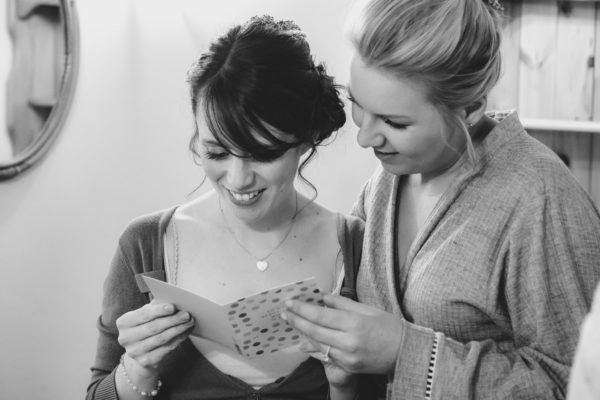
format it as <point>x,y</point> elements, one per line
<point>252,325</point>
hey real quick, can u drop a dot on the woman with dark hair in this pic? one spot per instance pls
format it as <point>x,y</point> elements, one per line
<point>261,106</point>
<point>481,251</point>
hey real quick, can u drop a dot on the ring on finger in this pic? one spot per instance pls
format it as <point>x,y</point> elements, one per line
<point>326,357</point>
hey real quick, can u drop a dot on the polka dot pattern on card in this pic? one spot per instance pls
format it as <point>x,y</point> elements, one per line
<point>259,329</point>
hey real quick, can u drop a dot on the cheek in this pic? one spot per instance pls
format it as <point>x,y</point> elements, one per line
<point>280,173</point>
<point>212,170</point>
<point>357,115</point>
<point>414,144</point>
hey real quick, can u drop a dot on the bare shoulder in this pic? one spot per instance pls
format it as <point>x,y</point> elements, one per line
<point>202,210</point>
<point>314,216</point>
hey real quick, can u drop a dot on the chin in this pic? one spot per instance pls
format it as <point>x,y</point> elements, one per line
<point>396,169</point>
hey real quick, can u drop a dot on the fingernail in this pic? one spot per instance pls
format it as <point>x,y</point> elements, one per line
<point>288,303</point>
<point>168,307</point>
<point>283,316</point>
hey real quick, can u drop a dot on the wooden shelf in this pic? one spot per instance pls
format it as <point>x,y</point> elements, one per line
<point>561,125</point>
<point>26,7</point>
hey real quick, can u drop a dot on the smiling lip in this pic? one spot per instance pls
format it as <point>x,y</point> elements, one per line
<point>244,199</point>
<point>382,155</point>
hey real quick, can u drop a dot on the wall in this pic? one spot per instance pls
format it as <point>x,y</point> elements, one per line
<point>122,153</point>
<point>5,61</point>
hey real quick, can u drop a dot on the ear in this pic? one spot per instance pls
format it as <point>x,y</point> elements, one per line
<point>475,111</point>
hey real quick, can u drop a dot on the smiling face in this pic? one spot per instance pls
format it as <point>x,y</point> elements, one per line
<point>252,191</point>
<point>406,131</point>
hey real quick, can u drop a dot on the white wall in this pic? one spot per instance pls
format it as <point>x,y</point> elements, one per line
<point>5,64</point>
<point>122,153</point>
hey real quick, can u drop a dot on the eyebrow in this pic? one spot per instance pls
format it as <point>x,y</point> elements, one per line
<point>210,142</point>
<point>382,116</point>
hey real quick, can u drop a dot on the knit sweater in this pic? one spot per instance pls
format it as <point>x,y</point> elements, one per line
<point>495,285</point>
<point>186,373</point>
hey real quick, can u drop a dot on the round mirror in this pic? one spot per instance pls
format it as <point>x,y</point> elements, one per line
<point>38,61</point>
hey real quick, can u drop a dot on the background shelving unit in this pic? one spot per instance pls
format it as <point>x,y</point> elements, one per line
<point>551,75</point>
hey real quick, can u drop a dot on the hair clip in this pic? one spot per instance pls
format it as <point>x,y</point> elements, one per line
<point>495,4</point>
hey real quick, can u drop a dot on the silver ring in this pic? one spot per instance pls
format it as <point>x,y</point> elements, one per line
<point>326,358</point>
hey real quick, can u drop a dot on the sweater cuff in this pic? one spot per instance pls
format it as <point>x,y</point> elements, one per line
<point>107,389</point>
<point>412,369</point>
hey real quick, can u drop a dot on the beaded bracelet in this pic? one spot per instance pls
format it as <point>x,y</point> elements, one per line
<point>153,393</point>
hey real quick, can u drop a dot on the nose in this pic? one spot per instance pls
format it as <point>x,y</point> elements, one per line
<point>369,134</point>
<point>240,174</point>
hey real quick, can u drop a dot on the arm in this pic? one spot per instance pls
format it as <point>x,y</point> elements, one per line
<point>549,267</point>
<point>142,333</point>
<point>547,263</point>
<point>120,296</point>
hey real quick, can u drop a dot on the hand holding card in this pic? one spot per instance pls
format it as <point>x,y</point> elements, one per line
<point>250,325</point>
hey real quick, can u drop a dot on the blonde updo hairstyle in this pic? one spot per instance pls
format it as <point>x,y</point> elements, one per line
<point>450,46</point>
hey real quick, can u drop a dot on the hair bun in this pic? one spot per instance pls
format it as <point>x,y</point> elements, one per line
<point>328,111</point>
<point>495,4</point>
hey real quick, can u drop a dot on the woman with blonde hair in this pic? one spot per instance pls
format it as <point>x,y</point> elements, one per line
<point>481,250</point>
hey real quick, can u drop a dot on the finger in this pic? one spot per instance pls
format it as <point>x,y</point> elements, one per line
<point>308,346</point>
<point>167,339</point>
<point>345,304</point>
<point>319,335</point>
<point>319,338</point>
<point>319,355</point>
<point>156,327</point>
<point>322,316</point>
<point>145,314</point>
<point>152,358</point>
<point>314,349</point>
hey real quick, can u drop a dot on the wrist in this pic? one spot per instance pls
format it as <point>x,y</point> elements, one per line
<point>143,381</point>
<point>137,371</point>
<point>395,351</point>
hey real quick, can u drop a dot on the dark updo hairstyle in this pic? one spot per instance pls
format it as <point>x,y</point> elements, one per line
<point>259,76</point>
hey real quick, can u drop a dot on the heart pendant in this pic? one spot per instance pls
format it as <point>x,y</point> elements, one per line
<point>262,265</point>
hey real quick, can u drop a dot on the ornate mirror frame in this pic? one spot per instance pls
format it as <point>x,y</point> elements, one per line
<point>34,152</point>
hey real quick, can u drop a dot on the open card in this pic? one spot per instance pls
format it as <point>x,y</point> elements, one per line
<point>250,325</point>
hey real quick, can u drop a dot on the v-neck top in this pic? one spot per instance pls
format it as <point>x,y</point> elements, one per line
<point>256,372</point>
<point>495,285</point>
<point>186,373</point>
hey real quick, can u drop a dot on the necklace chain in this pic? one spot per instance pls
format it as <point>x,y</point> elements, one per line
<point>261,262</point>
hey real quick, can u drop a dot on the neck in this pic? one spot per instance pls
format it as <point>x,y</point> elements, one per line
<point>477,133</point>
<point>437,182</point>
<point>276,219</point>
<point>255,240</point>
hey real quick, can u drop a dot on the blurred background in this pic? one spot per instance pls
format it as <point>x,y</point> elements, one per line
<point>121,148</point>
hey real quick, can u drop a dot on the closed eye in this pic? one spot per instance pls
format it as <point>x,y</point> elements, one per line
<point>212,155</point>
<point>395,125</point>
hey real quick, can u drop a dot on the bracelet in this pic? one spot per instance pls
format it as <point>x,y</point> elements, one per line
<point>153,393</point>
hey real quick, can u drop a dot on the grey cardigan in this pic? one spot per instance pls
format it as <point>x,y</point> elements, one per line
<point>185,373</point>
<point>496,285</point>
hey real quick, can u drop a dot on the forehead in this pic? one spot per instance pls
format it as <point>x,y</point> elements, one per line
<point>383,93</point>
<point>206,135</point>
